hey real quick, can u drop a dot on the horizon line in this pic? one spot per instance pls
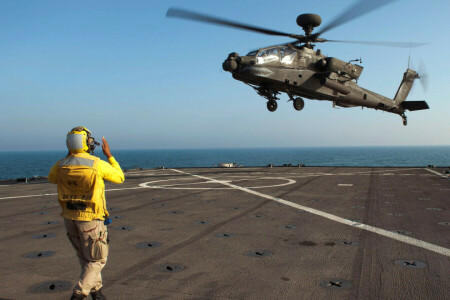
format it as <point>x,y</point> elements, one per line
<point>236,148</point>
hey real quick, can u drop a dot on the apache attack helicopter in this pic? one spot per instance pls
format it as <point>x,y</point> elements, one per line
<point>296,69</point>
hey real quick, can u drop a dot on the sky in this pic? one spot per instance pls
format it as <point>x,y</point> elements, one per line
<point>144,81</point>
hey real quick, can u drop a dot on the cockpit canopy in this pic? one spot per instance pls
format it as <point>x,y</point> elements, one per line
<point>282,54</point>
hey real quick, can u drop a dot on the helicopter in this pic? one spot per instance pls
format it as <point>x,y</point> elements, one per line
<point>297,69</point>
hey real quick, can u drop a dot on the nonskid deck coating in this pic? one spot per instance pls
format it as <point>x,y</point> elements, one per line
<point>238,234</point>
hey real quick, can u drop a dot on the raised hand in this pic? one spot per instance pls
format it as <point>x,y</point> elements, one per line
<point>105,148</point>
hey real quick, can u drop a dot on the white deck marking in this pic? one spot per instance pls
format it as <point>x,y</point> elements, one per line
<point>142,173</point>
<point>434,172</point>
<point>394,236</point>
<point>183,186</point>
<point>52,194</point>
<point>28,196</point>
<point>345,184</point>
<point>144,185</point>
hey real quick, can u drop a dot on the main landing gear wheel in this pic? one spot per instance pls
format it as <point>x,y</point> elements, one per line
<point>299,103</point>
<point>272,105</point>
<point>405,121</point>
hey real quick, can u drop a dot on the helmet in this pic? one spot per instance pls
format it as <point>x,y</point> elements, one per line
<point>79,140</point>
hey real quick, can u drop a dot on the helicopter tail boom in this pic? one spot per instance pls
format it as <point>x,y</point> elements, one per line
<point>405,86</point>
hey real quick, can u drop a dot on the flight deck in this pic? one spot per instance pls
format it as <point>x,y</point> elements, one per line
<point>242,233</point>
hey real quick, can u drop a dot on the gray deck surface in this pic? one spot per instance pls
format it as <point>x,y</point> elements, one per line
<point>180,219</point>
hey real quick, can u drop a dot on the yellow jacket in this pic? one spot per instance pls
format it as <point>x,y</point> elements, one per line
<point>81,188</point>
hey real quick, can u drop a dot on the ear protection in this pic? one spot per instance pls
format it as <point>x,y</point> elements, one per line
<point>79,140</point>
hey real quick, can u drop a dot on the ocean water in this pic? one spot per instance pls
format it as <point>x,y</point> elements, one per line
<point>38,163</point>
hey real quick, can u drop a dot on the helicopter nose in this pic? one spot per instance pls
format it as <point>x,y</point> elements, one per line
<point>231,63</point>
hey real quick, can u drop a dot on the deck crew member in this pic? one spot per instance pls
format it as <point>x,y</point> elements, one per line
<point>81,193</point>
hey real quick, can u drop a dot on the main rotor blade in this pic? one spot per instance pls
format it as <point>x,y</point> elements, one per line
<point>358,9</point>
<point>300,40</point>
<point>383,44</point>
<point>184,14</point>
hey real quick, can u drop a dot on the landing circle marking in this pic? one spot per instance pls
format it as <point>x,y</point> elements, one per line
<point>185,185</point>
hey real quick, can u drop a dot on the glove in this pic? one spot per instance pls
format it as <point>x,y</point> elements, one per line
<point>107,221</point>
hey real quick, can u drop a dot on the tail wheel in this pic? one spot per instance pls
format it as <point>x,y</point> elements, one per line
<point>299,103</point>
<point>272,105</point>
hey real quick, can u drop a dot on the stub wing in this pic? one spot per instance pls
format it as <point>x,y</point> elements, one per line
<point>414,105</point>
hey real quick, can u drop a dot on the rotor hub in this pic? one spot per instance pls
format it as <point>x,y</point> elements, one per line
<point>308,22</point>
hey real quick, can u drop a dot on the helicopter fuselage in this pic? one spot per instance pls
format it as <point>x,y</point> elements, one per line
<point>306,73</point>
<point>302,71</point>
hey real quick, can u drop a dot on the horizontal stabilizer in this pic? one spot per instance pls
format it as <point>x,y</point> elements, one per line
<point>414,105</point>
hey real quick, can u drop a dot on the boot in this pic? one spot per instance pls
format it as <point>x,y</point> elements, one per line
<point>97,295</point>
<point>76,296</point>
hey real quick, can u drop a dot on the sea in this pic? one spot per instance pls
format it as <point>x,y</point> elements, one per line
<point>28,164</point>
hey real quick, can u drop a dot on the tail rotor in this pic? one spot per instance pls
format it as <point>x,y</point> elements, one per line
<point>423,76</point>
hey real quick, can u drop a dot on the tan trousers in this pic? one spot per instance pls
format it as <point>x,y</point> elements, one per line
<point>89,238</point>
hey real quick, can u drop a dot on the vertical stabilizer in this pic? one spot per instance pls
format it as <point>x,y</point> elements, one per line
<point>405,86</point>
